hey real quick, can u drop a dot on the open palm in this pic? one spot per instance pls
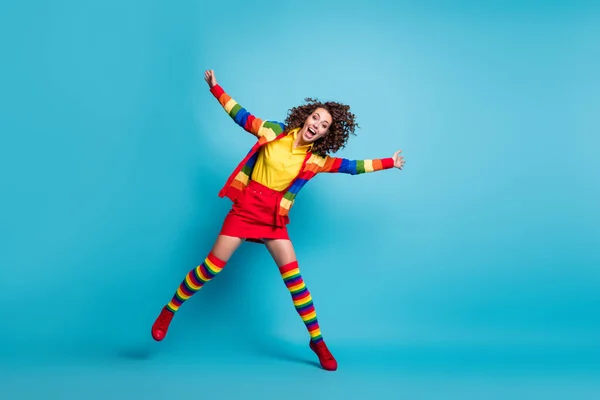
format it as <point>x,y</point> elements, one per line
<point>210,78</point>
<point>398,160</point>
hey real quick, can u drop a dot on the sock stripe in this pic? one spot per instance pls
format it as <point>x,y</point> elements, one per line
<point>301,304</point>
<point>211,267</point>
<point>288,267</point>
<point>181,294</point>
<point>176,301</point>
<point>203,273</point>
<point>297,288</point>
<point>300,293</point>
<point>195,280</point>
<point>293,281</point>
<point>301,299</point>
<point>292,275</point>
<point>214,260</point>
<point>310,318</point>
<point>187,290</point>
<point>197,276</point>
<point>171,308</point>
<point>303,311</point>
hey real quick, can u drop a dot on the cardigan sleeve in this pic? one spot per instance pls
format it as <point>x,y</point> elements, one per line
<point>355,167</point>
<point>256,126</point>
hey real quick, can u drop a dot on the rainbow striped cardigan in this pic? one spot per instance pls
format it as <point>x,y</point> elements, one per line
<point>267,131</point>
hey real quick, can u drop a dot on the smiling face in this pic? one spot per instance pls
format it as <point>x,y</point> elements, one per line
<point>315,126</point>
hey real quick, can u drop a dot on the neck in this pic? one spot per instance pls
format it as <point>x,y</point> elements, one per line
<point>299,140</point>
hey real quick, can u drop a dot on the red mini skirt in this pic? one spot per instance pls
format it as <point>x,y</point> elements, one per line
<point>254,215</point>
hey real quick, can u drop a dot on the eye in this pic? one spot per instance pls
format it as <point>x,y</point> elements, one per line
<point>314,117</point>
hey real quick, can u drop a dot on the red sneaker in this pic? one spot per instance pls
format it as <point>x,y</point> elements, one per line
<point>161,325</point>
<point>325,357</point>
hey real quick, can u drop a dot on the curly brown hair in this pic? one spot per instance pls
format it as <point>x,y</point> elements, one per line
<point>342,126</point>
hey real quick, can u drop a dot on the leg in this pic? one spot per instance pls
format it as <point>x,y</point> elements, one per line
<point>284,256</point>
<point>219,255</point>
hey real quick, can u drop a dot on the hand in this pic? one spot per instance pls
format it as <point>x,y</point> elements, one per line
<point>398,159</point>
<point>210,78</point>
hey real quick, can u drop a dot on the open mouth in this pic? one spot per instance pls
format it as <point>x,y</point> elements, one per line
<point>310,133</point>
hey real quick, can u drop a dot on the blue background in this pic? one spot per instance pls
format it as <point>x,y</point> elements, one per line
<point>478,263</point>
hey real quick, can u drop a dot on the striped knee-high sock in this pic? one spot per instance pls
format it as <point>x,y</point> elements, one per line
<point>302,299</point>
<point>195,279</point>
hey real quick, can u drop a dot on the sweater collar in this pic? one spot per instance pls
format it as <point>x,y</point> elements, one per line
<point>294,133</point>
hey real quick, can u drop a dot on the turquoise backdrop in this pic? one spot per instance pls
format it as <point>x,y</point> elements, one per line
<point>482,253</point>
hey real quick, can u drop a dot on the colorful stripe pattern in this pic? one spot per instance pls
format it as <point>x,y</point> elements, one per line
<point>195,279</point>
<point>355,167</point>
<point>302,299</point>
<point>315,165</point>
<point>267,131</point>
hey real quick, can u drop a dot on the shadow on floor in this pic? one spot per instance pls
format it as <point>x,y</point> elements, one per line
<point>271,348</point>
<point>277,349</point>
<point>136,353</point>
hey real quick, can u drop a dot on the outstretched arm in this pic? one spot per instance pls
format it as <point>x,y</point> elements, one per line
<point>256,126</point>
<point>355,167</point>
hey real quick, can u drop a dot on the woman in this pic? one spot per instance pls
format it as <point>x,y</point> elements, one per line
<point>263,188</point>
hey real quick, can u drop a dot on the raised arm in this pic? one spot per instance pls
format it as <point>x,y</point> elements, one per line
<point>250,123</point>
<point>355,167</point>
